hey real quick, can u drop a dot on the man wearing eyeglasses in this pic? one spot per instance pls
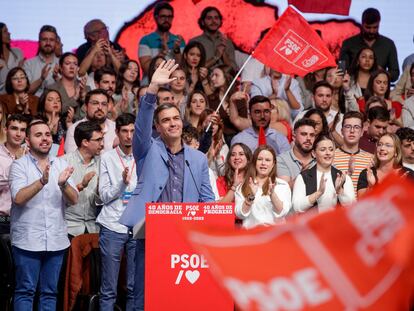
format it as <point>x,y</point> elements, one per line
<point>96,104</point>
<point>260,112</point>
<point>95,30</point>
<point>349,158</point>
<point>80,218</point>
<point>161,42</point>
<point>40,68</point>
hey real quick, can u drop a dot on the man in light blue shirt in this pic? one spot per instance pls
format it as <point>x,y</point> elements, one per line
<point>260,111</point>
<point>117,180</point>
<point>39,184</point>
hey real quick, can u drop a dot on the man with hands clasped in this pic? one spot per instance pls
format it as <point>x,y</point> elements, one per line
<point>40,185</point>
<point>41,68</point>
<point>219,49</point>
<point>85,160</point>
<point>262,199</point>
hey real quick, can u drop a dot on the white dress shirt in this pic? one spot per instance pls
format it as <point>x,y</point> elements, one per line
<point>108,131</point>
<point>112,187</point>
<point>261,211</point>
<point>38,225</point>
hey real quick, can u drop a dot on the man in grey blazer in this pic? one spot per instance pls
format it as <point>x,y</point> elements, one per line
<point>167,170</point>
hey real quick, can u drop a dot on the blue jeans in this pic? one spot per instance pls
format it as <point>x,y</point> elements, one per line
<point>112,246</point>
<point>32,268</point>
<point>139,275</point>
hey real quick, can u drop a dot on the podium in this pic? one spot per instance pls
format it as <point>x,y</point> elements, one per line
<point>177,277</point>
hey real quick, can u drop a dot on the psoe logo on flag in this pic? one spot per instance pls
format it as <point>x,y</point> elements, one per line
<point>297,51</point>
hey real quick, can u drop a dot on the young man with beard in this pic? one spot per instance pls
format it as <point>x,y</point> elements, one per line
<point>85,160</point>
<point>260,111</point>
<point>117,180</point>
<point>11,150</point>
<point>349,158</point>
<point>40,185</point>
<point>384,48</point>
<point>40,68</point>
<point>219,49</point>
<point>96,103</point>
<point>322,98</point>
<point>105,79</point>
<point>299,158</point>
<point>160,42</point>
<point>378,119</point>
<point>406,136</point>
<point>167,169</point>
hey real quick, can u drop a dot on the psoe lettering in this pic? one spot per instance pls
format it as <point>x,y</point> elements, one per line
<point>303,289</point>
<point>185,261</point>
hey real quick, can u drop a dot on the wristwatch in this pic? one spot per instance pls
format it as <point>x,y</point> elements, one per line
<point>250,198</point>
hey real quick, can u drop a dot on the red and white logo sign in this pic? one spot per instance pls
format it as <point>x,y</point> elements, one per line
<point>297,51</point>
<point>176,276</point>
<point>293,47</point>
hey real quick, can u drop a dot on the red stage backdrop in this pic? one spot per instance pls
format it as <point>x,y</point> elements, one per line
<point>243,21</point>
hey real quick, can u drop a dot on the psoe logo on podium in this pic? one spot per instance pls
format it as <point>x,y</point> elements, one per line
<point>189,267</point>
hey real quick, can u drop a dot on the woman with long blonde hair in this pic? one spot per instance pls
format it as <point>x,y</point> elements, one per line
<point>387,159</point>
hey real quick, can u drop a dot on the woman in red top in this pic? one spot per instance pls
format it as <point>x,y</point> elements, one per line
<point>237,162</point>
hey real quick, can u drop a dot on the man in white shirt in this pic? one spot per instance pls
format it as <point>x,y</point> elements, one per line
<point>117,180</point>
<point>406,136</point>
<point>40,69</point>
<point>96,103</point>
<point>39,185</point>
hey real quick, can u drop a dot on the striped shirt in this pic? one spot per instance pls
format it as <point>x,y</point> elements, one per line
<point>362,160</point>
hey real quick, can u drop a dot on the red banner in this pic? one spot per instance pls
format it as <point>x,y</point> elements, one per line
<point>176,277</point>
<point>293,47</point>
<point>359,258</point>
<point>339,7</point>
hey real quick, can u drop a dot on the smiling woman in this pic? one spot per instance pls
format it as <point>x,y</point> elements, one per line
<point>387,159</point>
<point>322,186</point>
<point>262,199</point>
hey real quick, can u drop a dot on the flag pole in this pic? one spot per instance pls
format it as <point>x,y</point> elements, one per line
<point>229,88</point>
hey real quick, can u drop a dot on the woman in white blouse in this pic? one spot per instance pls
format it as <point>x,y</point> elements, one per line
<point>322,186</point>
<point>262,199</point>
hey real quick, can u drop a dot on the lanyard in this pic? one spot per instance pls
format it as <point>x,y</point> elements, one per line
<point>122,162</point>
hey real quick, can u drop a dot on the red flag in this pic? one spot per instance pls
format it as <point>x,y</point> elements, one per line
<point>61,150</point>
<point>338,7</point>
<point>357,258</point>
<point>262,137</point>
<point>293,47</point>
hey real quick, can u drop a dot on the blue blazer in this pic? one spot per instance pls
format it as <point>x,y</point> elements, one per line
<point>152,169</point>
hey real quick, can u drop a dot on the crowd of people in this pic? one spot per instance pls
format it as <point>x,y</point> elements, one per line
<point>88,138</point>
